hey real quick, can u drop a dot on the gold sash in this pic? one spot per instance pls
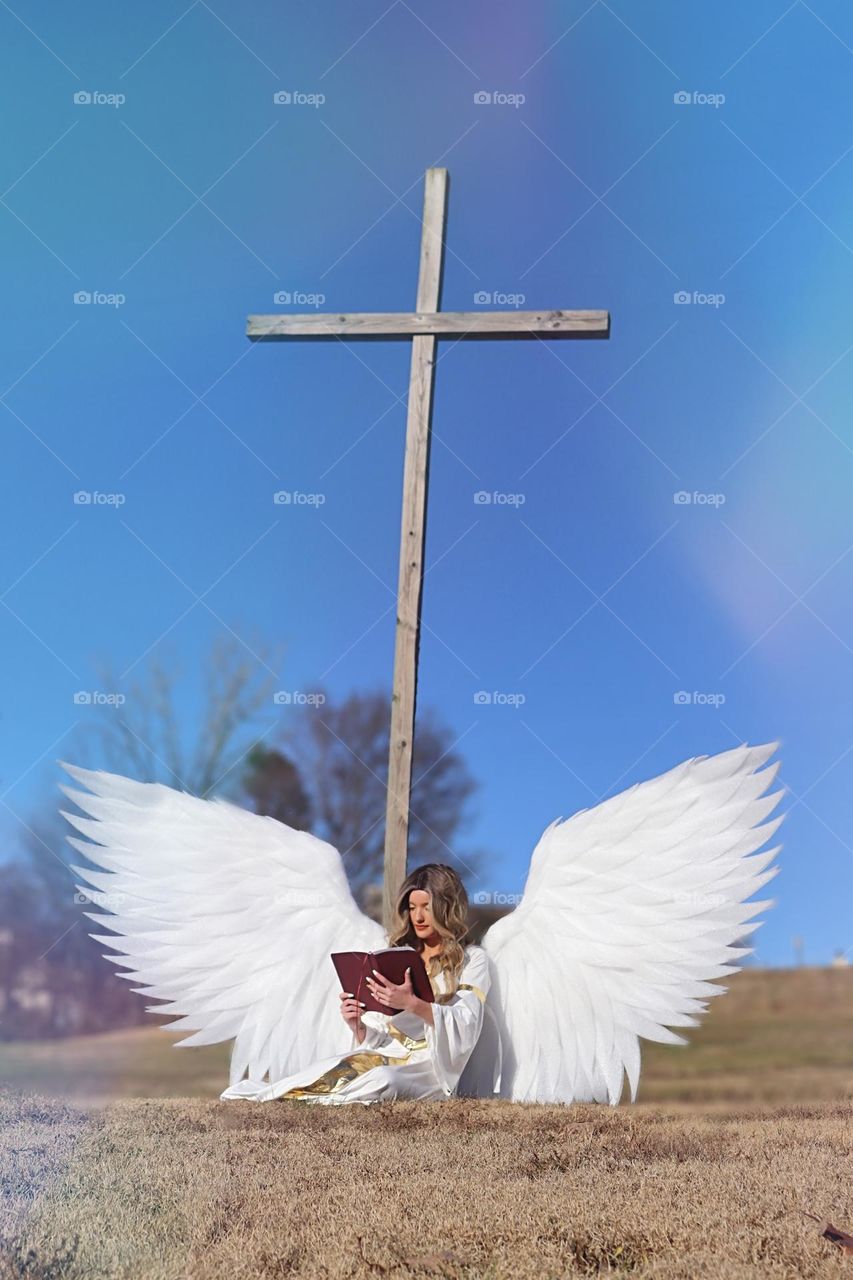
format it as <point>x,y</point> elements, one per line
<point>406,1041</point>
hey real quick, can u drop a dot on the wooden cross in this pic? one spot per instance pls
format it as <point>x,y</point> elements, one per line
<point>424,326</point>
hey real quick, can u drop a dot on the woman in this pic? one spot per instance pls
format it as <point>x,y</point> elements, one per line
<point>630,910</point>
<point>422,1051</point>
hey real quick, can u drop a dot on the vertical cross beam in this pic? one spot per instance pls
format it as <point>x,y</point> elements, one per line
<point>424,326</point>
<point>412,534</point>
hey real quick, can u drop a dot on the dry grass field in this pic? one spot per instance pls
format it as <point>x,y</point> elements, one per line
<point>706,1176</point>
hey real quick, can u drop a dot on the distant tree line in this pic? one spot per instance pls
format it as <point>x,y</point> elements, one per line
<point>326,774</point>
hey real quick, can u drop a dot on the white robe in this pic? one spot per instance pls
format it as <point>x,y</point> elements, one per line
<point>400,1056</point>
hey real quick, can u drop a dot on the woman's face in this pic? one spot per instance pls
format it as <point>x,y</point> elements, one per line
<point>420,914</point>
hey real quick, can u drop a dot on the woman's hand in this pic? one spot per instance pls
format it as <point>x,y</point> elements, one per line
<point>402,997</point>
<point>351,1013</point>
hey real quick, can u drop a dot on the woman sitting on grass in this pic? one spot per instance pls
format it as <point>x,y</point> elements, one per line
<point>422,1051</point>
<point>630,910</point>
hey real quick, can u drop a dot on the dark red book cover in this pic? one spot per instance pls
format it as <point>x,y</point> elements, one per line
<point>353,967</point>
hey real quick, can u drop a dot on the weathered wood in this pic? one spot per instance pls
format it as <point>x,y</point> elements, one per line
<point>423,327</point>
<point>412,533</point>
<point>467,324</point>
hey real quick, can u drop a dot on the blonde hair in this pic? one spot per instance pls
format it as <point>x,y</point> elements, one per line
<point>449,906</point>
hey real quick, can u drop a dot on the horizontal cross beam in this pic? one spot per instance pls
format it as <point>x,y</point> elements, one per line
<point>461,324</point>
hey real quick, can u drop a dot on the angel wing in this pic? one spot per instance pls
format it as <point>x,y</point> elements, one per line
<point>228,916</point>
<point>629,910</point>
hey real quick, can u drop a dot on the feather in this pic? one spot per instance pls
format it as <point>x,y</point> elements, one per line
<point>228,916</point>
<point>630,909</point>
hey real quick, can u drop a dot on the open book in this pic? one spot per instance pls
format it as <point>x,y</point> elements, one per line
<point>353,967</point>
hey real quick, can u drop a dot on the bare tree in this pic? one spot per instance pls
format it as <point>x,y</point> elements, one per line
<point>341,751</point>
<point>141,737</point>
<point>53,978</point>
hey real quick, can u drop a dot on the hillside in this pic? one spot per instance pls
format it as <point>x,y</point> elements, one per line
<point>776,1035</point>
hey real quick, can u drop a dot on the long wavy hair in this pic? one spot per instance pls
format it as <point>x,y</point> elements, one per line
<point>449,904</point>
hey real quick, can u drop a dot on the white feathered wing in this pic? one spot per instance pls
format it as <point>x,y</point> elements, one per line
<point>629,909</point>
<point>228,916</point>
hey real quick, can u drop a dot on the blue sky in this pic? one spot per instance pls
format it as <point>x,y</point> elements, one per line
<point>630,155</point>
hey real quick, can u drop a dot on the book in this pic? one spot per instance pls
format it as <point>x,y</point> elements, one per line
<point>353,967</point>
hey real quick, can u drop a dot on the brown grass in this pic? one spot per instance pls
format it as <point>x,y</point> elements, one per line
<point>705,1177</point>
<point>234,1190</point>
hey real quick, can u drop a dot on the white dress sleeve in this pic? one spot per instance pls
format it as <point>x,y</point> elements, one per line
<point>457,1024</point>
<point>375,1036</point>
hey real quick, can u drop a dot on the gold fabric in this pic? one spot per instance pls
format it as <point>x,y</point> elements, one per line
<point>341,1073</point>
<point>466,986</point>
<point>406,1041</point>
